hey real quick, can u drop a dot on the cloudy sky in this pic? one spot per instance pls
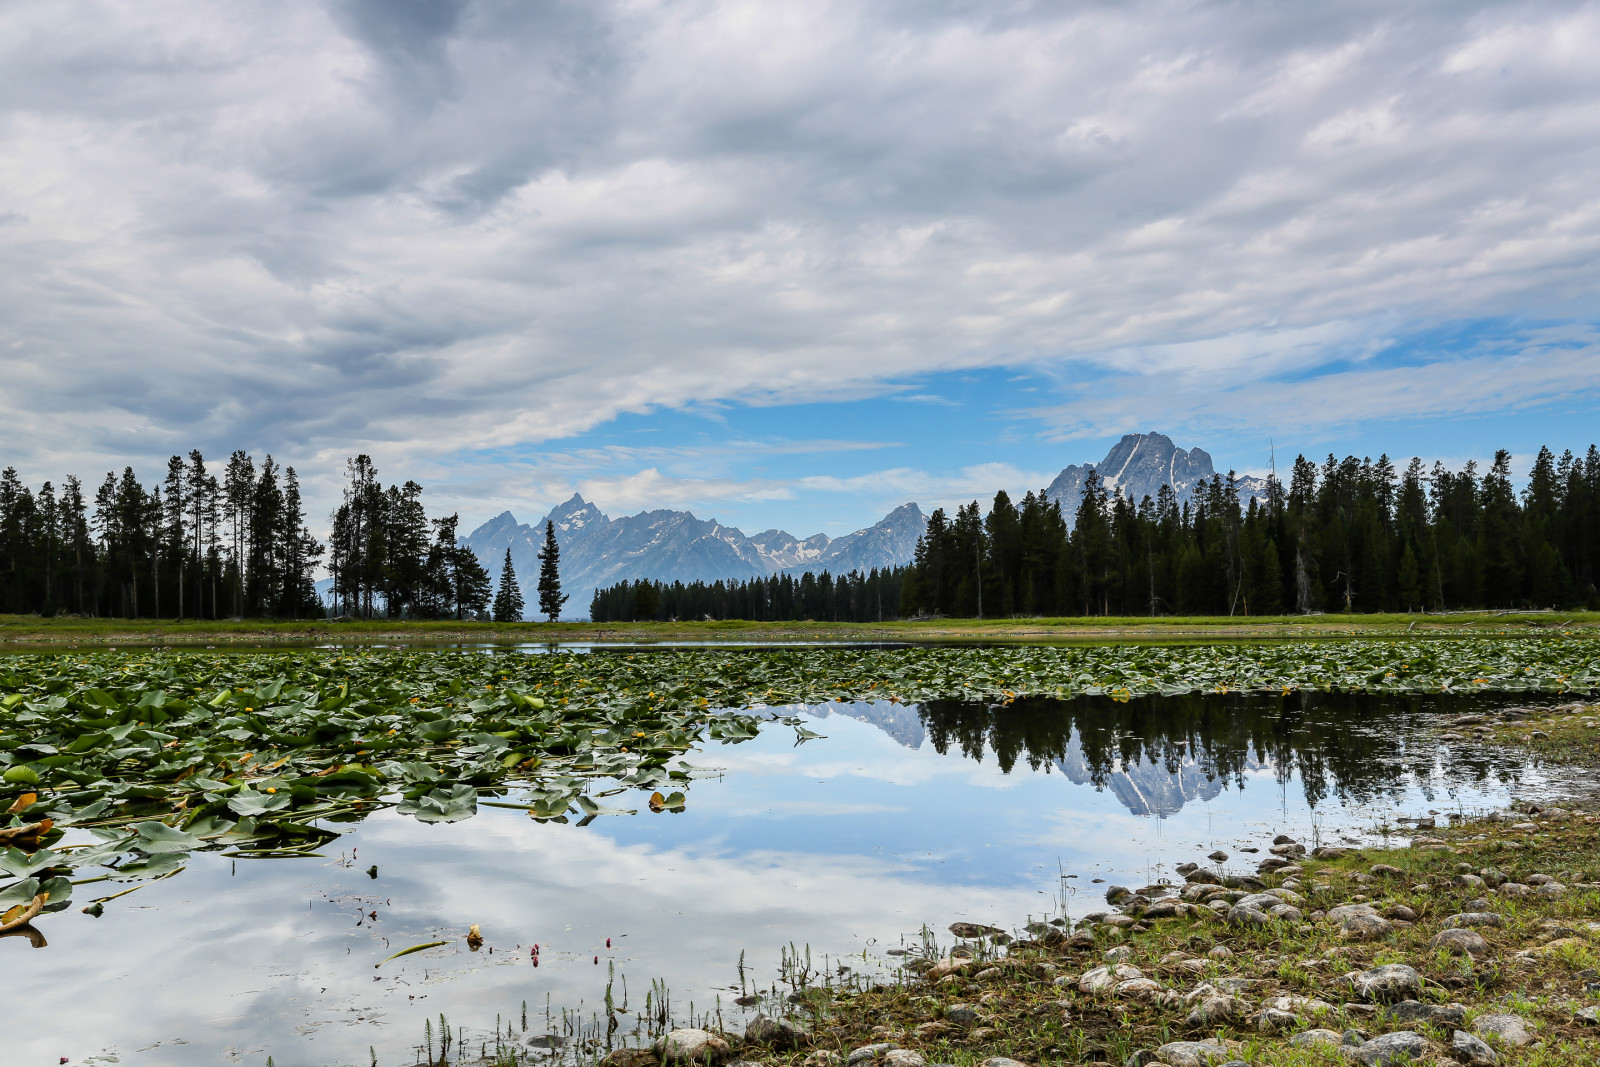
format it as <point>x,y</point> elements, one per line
<point>789,264</point>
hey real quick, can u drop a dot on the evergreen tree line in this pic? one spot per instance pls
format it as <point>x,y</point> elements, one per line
<point>388,559</point>
<point>234,543</point>
<point>853,597</point>
<point>1351,536</point>
<point>198,545</point>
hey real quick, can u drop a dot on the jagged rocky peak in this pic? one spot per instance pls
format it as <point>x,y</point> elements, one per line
<point>574,514</point>
<point>1139,465</point>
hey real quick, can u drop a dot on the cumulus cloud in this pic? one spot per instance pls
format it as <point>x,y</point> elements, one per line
<point>448,226</point>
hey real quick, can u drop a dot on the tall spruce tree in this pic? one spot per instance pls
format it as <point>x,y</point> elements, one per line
<point>550,598</point>
<point>508,598</point>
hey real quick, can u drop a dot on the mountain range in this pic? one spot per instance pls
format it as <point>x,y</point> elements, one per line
<point>598,551</point>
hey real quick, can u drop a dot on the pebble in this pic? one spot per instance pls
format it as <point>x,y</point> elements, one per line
<point>1512,1030</point>
<point>1103,978</point>
<point>1220,952</point>
<point>868,1053</point>
<point>691,1046</point>
<point>1460,942</point>
<point>1399,1047</point>
<point>1392,981</point>
<point>779,1033</point>
<point>1216,1009</point>
<point>1474,918</point>
<point>1315,1038</point>
<point>822,1058</point>
<point>1194,1054</point>
<point>1472,1051</point>
<point>962,1015</point>
<point>1365,927</point>
<point>903,1057</point>
<point>1274,1021</point>
<point>1412,1011</point>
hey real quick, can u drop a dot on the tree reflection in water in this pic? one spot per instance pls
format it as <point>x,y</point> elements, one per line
<point>1156,753</point>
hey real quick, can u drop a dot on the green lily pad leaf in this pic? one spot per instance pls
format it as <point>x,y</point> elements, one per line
<point>150,867</point>
<point>249,802</point>
<point>60,890</point>
<point>590,807</point>
<point>461,802</point>
<point>20,864</point>
<point>155,837</point>
<point>16,893</point>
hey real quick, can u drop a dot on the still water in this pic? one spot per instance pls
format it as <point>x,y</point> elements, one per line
<point>898,817</point>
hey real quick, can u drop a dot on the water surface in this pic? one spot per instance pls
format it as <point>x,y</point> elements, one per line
<point>899,817</point>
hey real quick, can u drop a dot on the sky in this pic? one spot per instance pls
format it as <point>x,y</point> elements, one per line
<point>790,264</point>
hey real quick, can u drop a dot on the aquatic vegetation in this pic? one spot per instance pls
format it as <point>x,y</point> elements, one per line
<point>162,753</point>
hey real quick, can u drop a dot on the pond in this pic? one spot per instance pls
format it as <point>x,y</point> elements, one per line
<point>836,850</point>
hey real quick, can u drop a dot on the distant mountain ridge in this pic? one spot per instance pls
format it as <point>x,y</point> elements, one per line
<point>599,551</point>
<point>1139,465</point>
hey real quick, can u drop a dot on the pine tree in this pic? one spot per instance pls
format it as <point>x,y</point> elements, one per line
<point>508,598</point>
<point>550,598</point>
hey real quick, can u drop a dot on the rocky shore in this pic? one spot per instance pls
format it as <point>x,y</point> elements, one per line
<point>1477,942</point>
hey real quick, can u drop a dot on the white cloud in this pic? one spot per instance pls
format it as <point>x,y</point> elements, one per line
<point>466,226</point>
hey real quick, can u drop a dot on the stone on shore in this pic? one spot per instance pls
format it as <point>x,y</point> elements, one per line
<point>691,1046</point>
<point>1511,1030</point>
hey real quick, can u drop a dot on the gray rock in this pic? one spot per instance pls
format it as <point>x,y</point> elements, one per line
<point>867,1053</point>
<point>1118,894</point>
<point>1217,1009</point>
<point>1316,1038</point>
<point>1493,877</point>
<point>1392,981</point>
<point>1412,1011</point>
<point>1401,1046</point>
<point>1514,889</point>
<point>1591,1016</point>
<point>1365,927</point>
<point>1234,985</point>
<point>691,1046</point>
<point>1193,1054</point>
<point>1218,856</point>
<point>1471,1051</point>
<point>1118,954</point>
<point>1142,989</point>
<point>1275,1021</point>
<point>962,1015</point>
<point>1473,918</point>
<point>1511,1030</point>
<point>1102,979</point>
<point>823,1057</point>
<point>1460,942</point>
<point>903,1057</point>
<point>779,1033</point>
<point>1239,915</point>
<point>1286,913</point>
<point>1346,911</point>
<point>632,1057</point>
<point>998,1061</point>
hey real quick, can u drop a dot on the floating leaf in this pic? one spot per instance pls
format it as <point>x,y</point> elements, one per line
<point>461,802</point>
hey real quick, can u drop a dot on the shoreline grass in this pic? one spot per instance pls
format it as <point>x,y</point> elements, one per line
<point>29,632</point>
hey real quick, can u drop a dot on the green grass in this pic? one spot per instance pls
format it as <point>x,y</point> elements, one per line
<point>32,630</point>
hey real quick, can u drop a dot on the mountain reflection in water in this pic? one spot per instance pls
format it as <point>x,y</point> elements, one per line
<point>1156,754</point>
